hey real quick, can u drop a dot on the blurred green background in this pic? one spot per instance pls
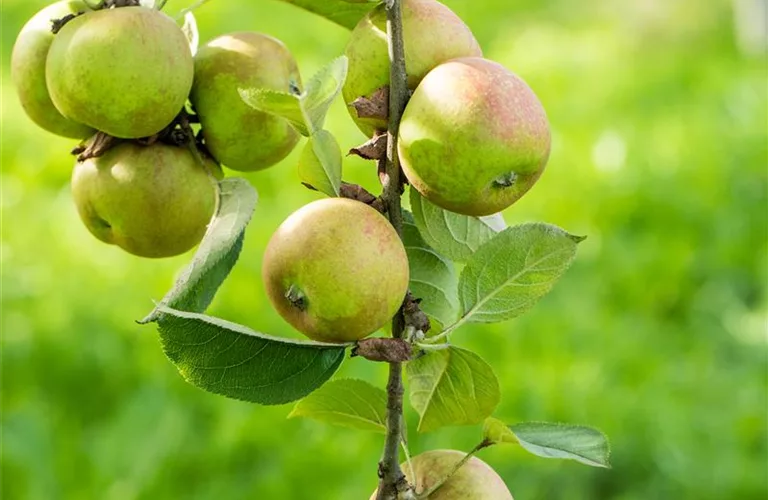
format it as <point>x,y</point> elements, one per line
<point>657,335</point>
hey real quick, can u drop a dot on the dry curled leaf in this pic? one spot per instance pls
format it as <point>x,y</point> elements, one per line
<point>376,106</point>
<point>413,314</point>
<point>388,350</point>
<point>373,149</point>
<point>359,193</point>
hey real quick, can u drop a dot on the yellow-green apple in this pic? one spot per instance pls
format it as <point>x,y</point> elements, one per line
<point>336,270</point>
<point>432,34</point>
<point>151,201</point>
<point>126,71</point>
<point>474,137</point>
<point>28,70</point>
<point>237,135</point>
<point>475,480</point>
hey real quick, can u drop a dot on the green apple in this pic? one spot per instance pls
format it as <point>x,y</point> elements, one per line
<point>336,270</point>
<point>475,480</point>
<point>474,137</point>
<point>432,34</point>
<point>28,71</point>
<point>237,135</point>
<point>124,71</point>
<point>151,201</point>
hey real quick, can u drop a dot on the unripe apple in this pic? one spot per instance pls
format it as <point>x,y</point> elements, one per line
<point>336,270</point>
<point>475,480</point>
<point>28,71</point>
<point>237,135</point>
<point>124,71</point>
<point>432,34</point>
<point>151,201</point>
<point>474,137</point>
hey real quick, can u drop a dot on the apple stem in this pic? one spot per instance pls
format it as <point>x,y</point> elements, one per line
<point>95,146</point>
<point>392,482</point>
<point>57,24</point>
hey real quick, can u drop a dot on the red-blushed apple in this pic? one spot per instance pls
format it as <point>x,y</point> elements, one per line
<point>336,270</point>
<point>474,137</point>
<point>432,34</point>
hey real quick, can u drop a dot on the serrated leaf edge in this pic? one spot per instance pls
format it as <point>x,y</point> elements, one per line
<point>467,315</point>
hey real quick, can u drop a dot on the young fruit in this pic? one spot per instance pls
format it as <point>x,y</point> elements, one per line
<point>432,34</point>
<point>336,270</point>
<point>474,137</point>
<point>237,135</point>
<point>28,71</point>
<point>475,480</point>
<point>151,201</point>
<point>125,71</point>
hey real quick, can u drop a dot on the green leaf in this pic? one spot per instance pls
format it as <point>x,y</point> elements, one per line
<point>320,163</point>
<point>575,442</point>
<point>347,13</point>
<point>306,111</point>
<point>495,431</point>
<point>451,386</point>
<point>218,252</point>
<point>277,103</point>
<point>454,235</point>
<point>229,359</point>
<point>509,274</point>
<point>433,278</point>
<point>348,403</point>
<point>322,89</point>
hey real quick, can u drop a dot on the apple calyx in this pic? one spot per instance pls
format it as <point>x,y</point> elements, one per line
<point>505,180</point>
<point>296,297</point>
<point>294,87</point>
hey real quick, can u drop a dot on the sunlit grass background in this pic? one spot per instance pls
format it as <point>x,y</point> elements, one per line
<point>657,335</point>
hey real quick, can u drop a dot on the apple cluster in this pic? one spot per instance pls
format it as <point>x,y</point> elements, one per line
<point>474,137</point>
<point>126,74</point>
<point>123,78</point>
<point>472,140</point>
